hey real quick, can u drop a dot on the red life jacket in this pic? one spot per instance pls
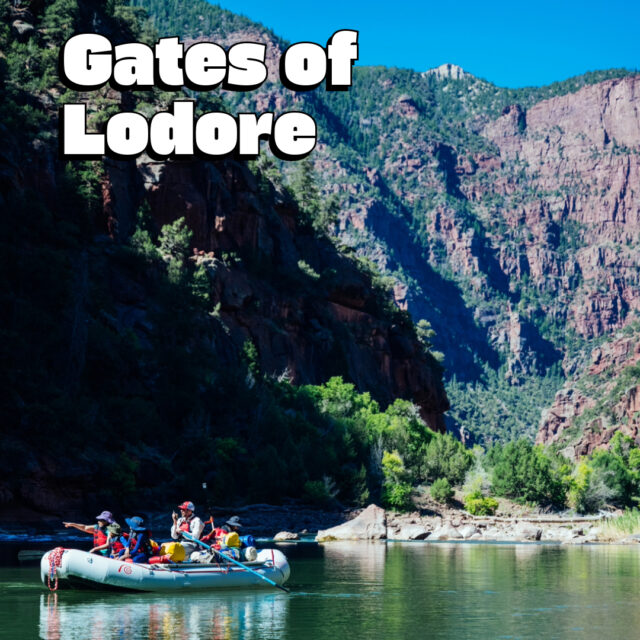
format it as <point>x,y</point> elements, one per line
<point>186,526</point>
<point>116,546</point>
<point>99,536</point>
<point>215,535</point>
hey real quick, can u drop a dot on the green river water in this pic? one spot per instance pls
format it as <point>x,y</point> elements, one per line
<point>361,590</point>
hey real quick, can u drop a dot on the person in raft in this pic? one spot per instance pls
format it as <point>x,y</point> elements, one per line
<point>116,541</point>
<point>139,548</point>
<point>187,523</point>
<point>218,536</point>
<point>99,531</point>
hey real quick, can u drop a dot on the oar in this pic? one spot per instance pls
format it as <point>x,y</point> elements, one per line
<point>206,546</point>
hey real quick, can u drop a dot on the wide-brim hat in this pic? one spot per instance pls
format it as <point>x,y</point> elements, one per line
<point>136,523</point>
<point>114,529</point>
<point>107,516</point>
<point>234,522</point>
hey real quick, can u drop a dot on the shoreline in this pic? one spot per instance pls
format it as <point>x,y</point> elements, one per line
<point>291,522</point>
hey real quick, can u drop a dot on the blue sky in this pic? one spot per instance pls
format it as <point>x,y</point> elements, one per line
<point>512,44</point>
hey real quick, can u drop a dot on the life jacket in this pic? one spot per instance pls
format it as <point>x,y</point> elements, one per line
<point>99,536</point>
<point>146,546</point>
<point>117,545</point>
<point>220,535</point>
<point>215,535</point>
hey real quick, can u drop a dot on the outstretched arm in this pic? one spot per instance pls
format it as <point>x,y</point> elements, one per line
<point>85,528</point>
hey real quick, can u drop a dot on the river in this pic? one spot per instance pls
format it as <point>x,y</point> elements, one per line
<point>360,590</point>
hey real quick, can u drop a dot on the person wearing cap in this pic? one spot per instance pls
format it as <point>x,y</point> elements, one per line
<point>116,541</point>
<point>99,531</point>
<point>187,523</point>
<point>139,547</point>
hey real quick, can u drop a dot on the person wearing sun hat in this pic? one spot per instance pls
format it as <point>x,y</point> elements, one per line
<point>187,523</point>
<point>139,548</point>
<point>98,531</point>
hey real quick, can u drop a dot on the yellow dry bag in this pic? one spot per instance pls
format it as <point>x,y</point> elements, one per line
<point>174,550</point>
<point>232,540</point>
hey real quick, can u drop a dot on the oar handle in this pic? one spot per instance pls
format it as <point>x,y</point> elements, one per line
<point>226,557</point>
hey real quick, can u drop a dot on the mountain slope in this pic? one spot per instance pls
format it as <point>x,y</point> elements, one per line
<point>602,399</point>
<point>160,319</point>
<point>507,217</point>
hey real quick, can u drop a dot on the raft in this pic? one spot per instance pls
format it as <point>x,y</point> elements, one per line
<point>74,569</point>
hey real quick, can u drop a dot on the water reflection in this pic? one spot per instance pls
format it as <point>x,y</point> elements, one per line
<point>367,559</point>
<point>191,616</point>
<point>412,591</point>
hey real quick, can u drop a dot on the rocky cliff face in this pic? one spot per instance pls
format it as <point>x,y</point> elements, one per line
<point>602,400</point>
<point>509,218</point>
<point>579,155</point>
<point>308,309</point>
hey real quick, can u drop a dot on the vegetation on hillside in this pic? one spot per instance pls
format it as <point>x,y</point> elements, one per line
<point>149,399</point>
<point>148,406</point>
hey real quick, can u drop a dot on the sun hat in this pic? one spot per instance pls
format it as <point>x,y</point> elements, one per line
<point>234,522</point>
<point>187,505</point>
<point>107,516</point>
<point>114,529</point>
<point>136,523</point>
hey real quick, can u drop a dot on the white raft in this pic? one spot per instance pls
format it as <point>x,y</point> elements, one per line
<point>80,569</point>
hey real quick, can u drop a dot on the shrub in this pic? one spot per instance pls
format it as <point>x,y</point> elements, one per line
<point>478,478</point>
<point>525,472</point>
<point>588,489</point>
<point>320,492</point>
<point>396,491</point>
<point>397,495</point>
<point>441,490</point>
<point>619,469</point>
<point>446,457</point>
<point>175,239</point>
<point>478,505</point>
<point>143,244</point>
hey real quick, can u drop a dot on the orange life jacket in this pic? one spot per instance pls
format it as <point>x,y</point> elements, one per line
<point>99,536</point>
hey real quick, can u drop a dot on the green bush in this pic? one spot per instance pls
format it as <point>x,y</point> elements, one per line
<point>397,495</point>
<point>175,239</point>
<point>320,492</point>
<point>478,505</point>
<point>619,468</point>
<point>441,490</point>
<point>522,471</point>
<point>588,490</point>
<point>446,457</point>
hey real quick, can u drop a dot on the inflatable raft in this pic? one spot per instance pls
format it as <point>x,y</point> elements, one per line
<point>70,568</point>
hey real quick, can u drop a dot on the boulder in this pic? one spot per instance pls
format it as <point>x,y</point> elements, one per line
<point>446,532</point>
<point>468,530</point>
<point>371,524</point>
<point>285,536</point>
<point>527,531</point>
<point>557,534</point>
<point>409,532</point>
